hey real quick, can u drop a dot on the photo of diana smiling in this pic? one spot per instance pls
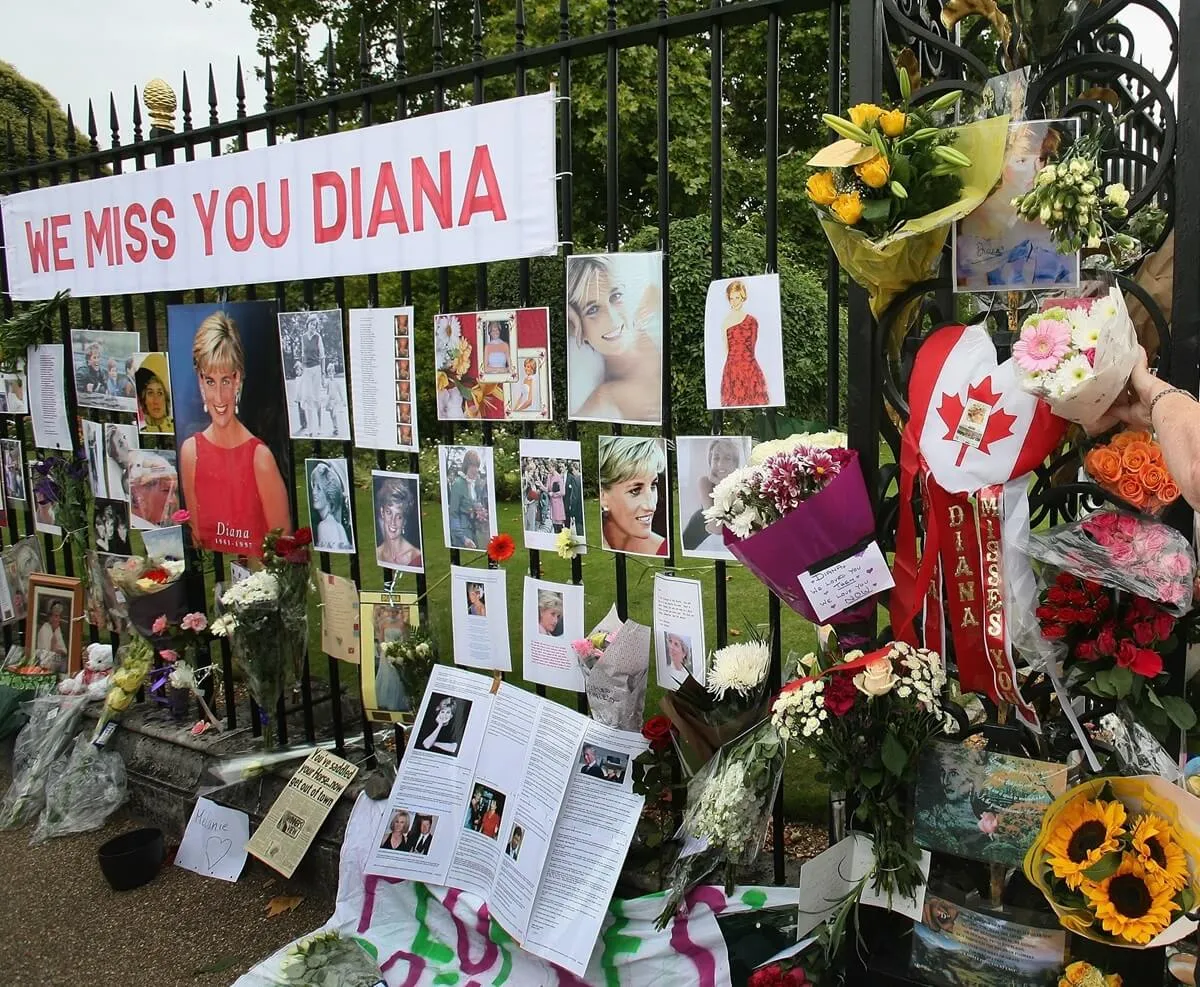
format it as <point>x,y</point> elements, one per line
<point>633,495</point>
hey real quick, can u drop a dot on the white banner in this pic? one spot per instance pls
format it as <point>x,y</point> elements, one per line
<point>461,187</point>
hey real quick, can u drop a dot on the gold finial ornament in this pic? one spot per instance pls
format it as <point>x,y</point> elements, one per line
<point>160,102</point>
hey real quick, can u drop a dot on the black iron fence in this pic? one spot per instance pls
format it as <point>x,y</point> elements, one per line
<point>641,148</point>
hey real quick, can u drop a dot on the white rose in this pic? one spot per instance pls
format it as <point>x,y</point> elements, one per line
<point>877,679</point>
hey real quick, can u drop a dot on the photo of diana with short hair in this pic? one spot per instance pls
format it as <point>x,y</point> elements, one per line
<point>633,495</point>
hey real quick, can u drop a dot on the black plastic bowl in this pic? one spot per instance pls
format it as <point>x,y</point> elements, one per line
<point>132,859</point>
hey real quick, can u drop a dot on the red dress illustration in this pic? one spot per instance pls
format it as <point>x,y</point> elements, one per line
<point>742,382</point>
<point>228,510</point>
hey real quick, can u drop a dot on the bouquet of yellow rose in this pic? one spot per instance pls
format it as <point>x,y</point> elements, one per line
<point>1116,860</point>
<point>889,190</point>
<point>1083,974</point>
<point>136,658</point>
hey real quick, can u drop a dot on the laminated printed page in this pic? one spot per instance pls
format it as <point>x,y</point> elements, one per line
<point>419,833</point>
<point>591,838</point>
<point>495,790</point>
<point>479,618</point>
<point>529,828</point>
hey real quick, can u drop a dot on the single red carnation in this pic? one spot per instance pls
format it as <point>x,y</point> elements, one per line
<point>840,694</point>
<point>501,548</point>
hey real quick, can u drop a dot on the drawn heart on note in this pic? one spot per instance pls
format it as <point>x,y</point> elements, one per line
<point>215,850</point>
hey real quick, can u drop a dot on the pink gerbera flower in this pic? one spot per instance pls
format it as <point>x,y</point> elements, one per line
<point>1042,345</point>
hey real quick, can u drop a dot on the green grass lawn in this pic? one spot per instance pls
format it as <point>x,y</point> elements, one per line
<point>747,602</point>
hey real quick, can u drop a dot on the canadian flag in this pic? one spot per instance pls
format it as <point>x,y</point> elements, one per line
<point>971,430</point>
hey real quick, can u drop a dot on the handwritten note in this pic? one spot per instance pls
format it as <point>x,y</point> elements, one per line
<point>339,618</point>
<point>839,587</point>
<point>214,843</point>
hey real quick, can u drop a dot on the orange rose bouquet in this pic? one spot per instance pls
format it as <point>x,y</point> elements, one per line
<point>1130,466</point>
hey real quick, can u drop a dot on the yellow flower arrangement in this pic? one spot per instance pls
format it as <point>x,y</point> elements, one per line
<point>875,172</point>
<point>1163,858</point>
<point>1130,903</point>
<point>1083,974</point>
<point>848,208</point>
<point>893,122</point>
<point>865,114</point>
<point>1085,833</point>
<point>821,189</point>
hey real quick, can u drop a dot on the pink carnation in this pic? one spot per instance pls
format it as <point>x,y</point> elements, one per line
<point>584,648</point>
<point>194,622</point>
<point>159,625</point>
<point>1042,345</point>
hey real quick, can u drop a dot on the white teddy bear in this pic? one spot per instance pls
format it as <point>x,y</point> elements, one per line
<point>96,675</point>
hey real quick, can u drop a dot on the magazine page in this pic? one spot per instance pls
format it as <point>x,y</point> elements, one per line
<point>419,833</point>
<point>495,790</point>
<point>528,831</point>
<point>591,838</point>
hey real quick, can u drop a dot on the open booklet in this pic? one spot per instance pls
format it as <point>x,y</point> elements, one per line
<point>518,800</point>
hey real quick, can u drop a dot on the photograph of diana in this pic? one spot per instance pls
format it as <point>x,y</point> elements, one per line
<point>476,600</point>
<point>743,343</point>
<point>232,438</point>
<point>496,338</point>
<point>997,250</point>
<point>468,496</point>
<point>93,444</point>
<point>677,650</point>
<point>442,727</point>
<point>153,479</point>
<point>633,495</point>
<point>703,461</point>
<point>110,521</point>
<point>614,338</point>
<point>103,365</point>
<point>329,511</point>
<point>152,380</point>
<point>396,506</point>
<point>14,469</point>
<point>389,622</point>
<point>314,369</point>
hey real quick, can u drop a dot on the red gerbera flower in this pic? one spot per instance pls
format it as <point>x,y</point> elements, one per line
<point>501,548</point>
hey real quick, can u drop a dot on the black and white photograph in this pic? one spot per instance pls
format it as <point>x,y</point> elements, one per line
<point>110,522</point>
<point>743,343</point>
<point>468,488</point>
<point>329,505</point>
<point>93,447</point>
<point>485,811</point>
<point>551,492</point>
<point>103,364</point>
<point>614,338</point>
<point>409,831</point>
<point>121,442</point>
<point>14,469</point>
<point>442,728</point>
<point>701,462</point>
<point>314,374</point>
<point>396,507</point>
<point>599,762</point>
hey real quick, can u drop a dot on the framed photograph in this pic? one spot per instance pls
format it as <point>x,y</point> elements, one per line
<point>383,618</point>
<point>614,338</point>
<point>468,486</point>
<point>633,495</point>
<point>152,381</point>
<point>330,511</point>
<point>54,623</point>
<point>496,344</point>
<point>701,462</point>
<point>231,428</point>
<point>743,343</point>
<point>314,374</point>
<point>997,250</point>
<point>551,492</point>
<point>396,511</point>
<point>103,364</point>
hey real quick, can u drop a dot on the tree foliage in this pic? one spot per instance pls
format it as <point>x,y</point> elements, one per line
<point>24,103</point>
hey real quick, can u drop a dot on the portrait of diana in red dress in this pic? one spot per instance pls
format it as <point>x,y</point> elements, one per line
<point>743,343</point>
<point>234,436</point>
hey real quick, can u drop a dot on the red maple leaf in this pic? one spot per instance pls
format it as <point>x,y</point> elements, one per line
<point>999,423</point>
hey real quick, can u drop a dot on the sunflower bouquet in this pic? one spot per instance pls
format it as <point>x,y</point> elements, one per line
<point>888,192</point>
<point>1116,860</point>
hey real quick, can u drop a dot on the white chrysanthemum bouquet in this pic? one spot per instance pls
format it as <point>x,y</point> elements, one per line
<point>1077,355</point>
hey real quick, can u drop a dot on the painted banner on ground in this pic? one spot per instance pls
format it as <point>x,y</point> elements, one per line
<point>421,935</point>
<point>461,187</point>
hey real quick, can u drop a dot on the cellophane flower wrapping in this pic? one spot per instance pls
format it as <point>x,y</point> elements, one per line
<point>729,806</point>
<point>53,721</point>
<point>134,660</point>
<point>1141,796</point>
<point>830,521</point>
<point>614,680</point>
<point>1131,466</point>
<point>87,786</point>
<point>327,959</point>
<point>1077,355</point>
<point>1124,551</point>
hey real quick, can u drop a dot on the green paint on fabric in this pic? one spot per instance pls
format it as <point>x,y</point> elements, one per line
<point>424,944</point>
<point>502,939</point>
<point>754,898</point>
<point>448,977</point>
<point>615,944</point>
<point>368,948</point>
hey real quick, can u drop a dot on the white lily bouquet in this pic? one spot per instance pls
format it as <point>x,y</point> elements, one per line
<point>1077,355</point>
<point>729,806</point>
